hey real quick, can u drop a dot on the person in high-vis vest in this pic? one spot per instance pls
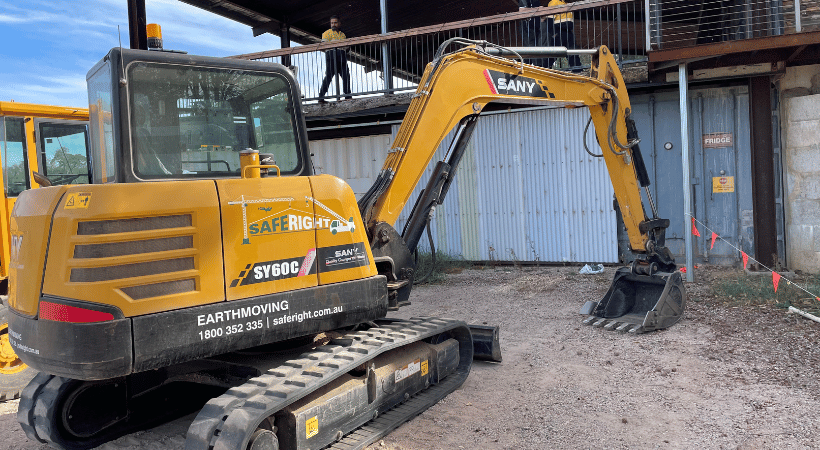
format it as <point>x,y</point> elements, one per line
<point>564,32</point>
<point>335,60</point>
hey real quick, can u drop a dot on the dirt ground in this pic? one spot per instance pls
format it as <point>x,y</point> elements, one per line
<point>724,377</point>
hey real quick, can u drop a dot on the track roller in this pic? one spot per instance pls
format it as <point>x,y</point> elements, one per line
<point>346,394</point>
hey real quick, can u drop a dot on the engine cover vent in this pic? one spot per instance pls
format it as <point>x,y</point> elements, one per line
<point>107,273</point>
<point>134,224</point>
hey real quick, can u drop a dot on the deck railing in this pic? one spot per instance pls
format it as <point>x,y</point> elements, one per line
<point>393,62</point>
<point>684,23</point>
<point>618,24</point>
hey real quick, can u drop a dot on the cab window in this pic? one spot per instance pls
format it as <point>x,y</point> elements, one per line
<point>64,152</point>
<point>189,122</point>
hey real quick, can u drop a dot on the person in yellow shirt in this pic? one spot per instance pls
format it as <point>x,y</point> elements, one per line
<point>335,60</point>
<point>563,33</point>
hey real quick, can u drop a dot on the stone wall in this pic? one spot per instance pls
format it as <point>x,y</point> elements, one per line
<point>800,103</point>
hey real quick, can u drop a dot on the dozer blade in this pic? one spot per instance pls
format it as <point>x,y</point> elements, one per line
<point>638,303</point>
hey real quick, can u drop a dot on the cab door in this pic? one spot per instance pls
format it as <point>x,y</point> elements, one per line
<point>15,178</point>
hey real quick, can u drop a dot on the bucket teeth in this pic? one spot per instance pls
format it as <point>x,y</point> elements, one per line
<point>637,330</point>
<point>599,323</point>
<point>623,327</point>
<point>589,320</point>
<point>611,325</point>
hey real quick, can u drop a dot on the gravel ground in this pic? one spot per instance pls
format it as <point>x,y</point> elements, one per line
<point>723,377</point>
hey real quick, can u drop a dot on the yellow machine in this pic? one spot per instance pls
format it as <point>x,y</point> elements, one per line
<point>207,263</point>
<point>33,139</point>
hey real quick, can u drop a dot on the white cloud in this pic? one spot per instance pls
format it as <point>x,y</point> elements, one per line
<point>58,41</point>
<point>5,18</point>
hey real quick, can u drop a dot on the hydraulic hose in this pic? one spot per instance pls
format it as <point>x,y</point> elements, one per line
<point>432,253</point>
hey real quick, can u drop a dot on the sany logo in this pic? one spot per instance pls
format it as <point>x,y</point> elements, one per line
<point>505,83</point>
<point>16,243</point>
<point>348,252</point>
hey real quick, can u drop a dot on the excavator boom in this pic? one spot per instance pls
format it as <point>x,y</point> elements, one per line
<point>454,89</point>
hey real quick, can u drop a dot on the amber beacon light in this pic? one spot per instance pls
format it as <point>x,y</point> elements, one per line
<point>154,32</point>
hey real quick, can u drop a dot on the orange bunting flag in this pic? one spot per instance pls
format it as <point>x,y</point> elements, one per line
<point>714,236</point>
<point>775,280</point>
<point>745,259</point>
<point>694,228</point>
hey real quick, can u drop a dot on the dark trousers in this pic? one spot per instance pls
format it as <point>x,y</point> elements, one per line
<point>335,64</point>
<point>564,35</point>
<point>531,35</point>
<point>546,41</point>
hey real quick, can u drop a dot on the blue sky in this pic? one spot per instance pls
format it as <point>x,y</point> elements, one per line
<point>49,45</point>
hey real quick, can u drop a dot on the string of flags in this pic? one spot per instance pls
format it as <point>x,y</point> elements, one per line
<point>775,276</point>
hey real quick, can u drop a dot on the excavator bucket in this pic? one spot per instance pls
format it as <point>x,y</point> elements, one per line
<point>638,303</point>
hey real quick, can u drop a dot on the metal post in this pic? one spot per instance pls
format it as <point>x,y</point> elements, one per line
<point>388,77</point>
<point>620,35</point>
<point>136,24</point>
<point>647,29</point>
<point>284,42</point>
<point>683,84</point>
<point>798,27</point>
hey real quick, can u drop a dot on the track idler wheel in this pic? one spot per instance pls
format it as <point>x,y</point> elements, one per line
<point>262,439</point>
<point>77,415</point>
<point>71,414</point>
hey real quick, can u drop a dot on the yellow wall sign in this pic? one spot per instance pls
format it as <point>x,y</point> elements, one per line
<point>312,427</point>
<point>723,184</point>
<point>77,200</point>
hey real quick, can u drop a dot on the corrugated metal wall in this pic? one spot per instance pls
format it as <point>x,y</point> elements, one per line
<point>525,190</point>
<point>355,160</point>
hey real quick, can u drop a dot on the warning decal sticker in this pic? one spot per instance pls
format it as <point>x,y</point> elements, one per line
<point>78,200</point>
<point>408,370</point>
<point>723,184</point>
<point>312,427</point>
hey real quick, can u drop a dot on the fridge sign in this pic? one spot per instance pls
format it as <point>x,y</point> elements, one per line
<point>718,140</point>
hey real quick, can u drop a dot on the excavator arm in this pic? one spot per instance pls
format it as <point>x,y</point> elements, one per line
<point>454,89</point>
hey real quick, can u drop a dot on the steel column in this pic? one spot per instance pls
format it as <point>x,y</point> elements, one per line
<point>388,77</point>
<point>647,29</point>
<point>798,27</point>
<point>136,24</point>
<point>284,42</point>
<point>760,109</point>
<point>687,184</point>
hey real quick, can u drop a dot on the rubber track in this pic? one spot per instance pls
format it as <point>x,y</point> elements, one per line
<point>26,408</point>
<point>226,422</point>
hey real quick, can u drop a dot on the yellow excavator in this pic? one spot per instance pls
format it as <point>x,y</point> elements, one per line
<point>208,263</point>
<point>34,139</point>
